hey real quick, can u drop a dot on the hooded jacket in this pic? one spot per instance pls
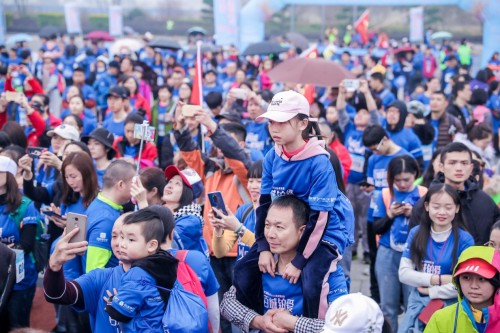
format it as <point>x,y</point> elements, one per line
<point>403,113</point>
<point>478,210</point>
<point>457,317</point>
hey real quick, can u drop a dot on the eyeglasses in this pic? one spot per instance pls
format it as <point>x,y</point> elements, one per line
<point>380,144</point>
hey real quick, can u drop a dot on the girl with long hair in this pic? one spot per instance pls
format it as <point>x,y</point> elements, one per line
<point>391,213</point>
<point>431,252</point>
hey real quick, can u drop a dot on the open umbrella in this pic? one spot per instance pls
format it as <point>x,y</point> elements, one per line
<point>18,38</point>
<point>197,31</point>
<point>99,35</point>
<point>317,71</point>
<point>164,43</point>
<point>49,31</point>
<point>126,45</point>
<point>263,48</point>
<point>441,35</point>
<point>399,52</point>
<point>298,40</point>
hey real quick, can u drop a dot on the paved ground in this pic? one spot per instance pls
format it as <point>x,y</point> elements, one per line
<point>360,277</point>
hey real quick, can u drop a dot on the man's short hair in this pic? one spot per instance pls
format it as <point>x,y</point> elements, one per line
<point>118,170</point>
<point>455,147</point>
<point>213,99</point>
<point>459,86</point>
<point>440,92</point>
<point>150,223</point>
<point>378,76</point>
<point>236,129</point>
<point>373,134</point>
<point>299,208</point>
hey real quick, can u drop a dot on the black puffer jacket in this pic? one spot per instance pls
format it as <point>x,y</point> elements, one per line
<point>478,210</point>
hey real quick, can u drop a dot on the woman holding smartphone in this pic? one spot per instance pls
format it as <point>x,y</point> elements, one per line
<point>238,227</point>
<point>391,213</point>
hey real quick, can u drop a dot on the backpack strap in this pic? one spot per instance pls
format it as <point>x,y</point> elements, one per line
<point>246,213</point>
<point>18,215</point>
<point>181,255</point>
<point>386,197</point>
<point>456,318</point>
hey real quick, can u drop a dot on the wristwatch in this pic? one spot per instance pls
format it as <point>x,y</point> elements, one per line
<point>241,232</point>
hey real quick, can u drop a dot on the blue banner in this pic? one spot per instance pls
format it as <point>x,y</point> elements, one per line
<point>226,21</point>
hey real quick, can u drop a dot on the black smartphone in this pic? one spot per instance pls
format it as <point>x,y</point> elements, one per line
<point>35,152</point>
<point>217,201</point>
<point>49,212</point>
<point>364,183</point>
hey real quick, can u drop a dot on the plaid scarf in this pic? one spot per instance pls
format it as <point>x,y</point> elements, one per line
<point>193,209</point>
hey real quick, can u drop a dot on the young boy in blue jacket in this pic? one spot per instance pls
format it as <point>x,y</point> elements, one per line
<point>139,304</point>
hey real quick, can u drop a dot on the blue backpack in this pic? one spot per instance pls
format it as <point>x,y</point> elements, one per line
<point>185,312</point>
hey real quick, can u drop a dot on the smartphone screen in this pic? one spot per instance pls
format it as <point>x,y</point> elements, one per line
<point>35,152</point>
<point>189,110</point>
<point>77,221</point>
<point>217,201</point>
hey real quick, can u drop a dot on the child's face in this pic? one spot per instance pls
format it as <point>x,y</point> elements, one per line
<point>133,246</point>
<point>129,133</point>
<point>287,132</point>
<point>331,114</point>
<point>254,188</point>
<point>362,118</point>
<point>478,290</point>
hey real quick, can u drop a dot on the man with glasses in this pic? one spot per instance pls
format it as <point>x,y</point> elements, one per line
<point>384,150</point>
<point>478,209</point>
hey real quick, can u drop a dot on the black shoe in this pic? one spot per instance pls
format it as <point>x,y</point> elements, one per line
<point>354,255</point>
<point>366,258</point>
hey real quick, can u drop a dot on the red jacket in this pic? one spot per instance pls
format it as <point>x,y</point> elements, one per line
<point>38,128</point>
<point>36,87</point>
<point>343,155</point>
<point>149,152</point>
<point>142,103</point>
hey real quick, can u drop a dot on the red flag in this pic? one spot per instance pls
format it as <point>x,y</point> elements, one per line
<point>197,93</point>
<point>361,26</point>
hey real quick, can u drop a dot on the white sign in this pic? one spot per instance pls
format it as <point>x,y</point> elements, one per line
<point>72,18</point>
<point>115,21</point>
<point>417,24</point>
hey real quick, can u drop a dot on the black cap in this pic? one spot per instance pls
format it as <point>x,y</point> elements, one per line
<point>234,117</point>
<point>118,91</point>
<point>103,136</point>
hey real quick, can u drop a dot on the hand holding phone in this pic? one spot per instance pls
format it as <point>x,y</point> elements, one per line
<point>239,93</point>
<point>351,85</point>
<point>13,96</point>
<point>77,221</point>
<point>217,201</point>
<point>188,111</point>
<point>35,152</point>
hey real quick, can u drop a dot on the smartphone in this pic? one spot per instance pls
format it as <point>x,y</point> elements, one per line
<point>149,133</point>
<point>189,110</point>
<point>364,183</point>
<point>13,96</point>
<point>351,85</point>
<point>400,203</point>
<point>217,201</point>
<point>239,93</point>
<point>35,152</point>
<point>77,221</point>
<point>49,212</point>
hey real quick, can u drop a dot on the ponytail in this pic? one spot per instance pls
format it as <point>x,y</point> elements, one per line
<point>312,130</point>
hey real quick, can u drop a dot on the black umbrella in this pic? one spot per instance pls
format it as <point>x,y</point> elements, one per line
<point>164,43</point>
<point>197,31</point>
<point>298,40</point>
<point>264,48</point>
<point>7,274</point>
<point>49,31</point>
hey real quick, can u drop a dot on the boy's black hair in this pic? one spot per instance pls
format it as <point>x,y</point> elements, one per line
<point>455,147</point>
<point>378,76</point>
<point>79,69</point>
<point>166,86</point>
<point>373,134</point>
<point>150,222</point>
<point>134,118</point>
<point>166,217</point>
<point>440,92</point>
<point>299,208</point>
<point>236,129</point>
<point>213,99</point>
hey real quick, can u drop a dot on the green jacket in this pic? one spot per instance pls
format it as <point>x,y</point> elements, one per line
<point>154,116</point>
<point>454,318</point>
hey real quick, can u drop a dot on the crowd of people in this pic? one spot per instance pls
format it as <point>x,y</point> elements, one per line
<point>399,173</point>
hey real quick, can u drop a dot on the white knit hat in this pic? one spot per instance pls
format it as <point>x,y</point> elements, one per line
<point>8,165</point>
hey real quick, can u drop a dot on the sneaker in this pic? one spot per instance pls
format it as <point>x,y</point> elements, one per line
<point>366,258</point>
<point>354,255</point>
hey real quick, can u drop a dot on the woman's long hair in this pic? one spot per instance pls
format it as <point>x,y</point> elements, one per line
<point>13,196</point>
<point>418,247</point>
<point>429,173</point>
<point>83,163</point>
<point>398,165</point>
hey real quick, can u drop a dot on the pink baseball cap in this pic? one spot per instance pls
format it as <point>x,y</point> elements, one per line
<point>286,105</point>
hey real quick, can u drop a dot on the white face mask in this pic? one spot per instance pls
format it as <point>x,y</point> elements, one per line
<point>101,70</point>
